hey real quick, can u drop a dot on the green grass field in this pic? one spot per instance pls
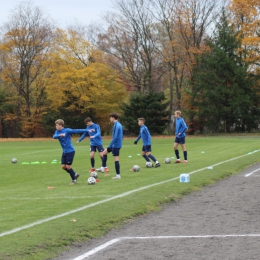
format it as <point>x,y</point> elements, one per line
<point>31,224</point>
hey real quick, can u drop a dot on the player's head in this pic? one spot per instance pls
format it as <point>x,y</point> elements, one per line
<point>113,117</point>
<point>141,121</point>
<point>88,121</point>
<point>177,113</point>
<point>59,124</point>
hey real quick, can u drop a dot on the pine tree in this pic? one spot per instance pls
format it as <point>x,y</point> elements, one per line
<point>151,106</point>
<point>226,95</point>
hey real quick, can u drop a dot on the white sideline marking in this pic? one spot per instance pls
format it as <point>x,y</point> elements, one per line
<point>107,200</point>
<point>252,172</point>
<point>113,241</point>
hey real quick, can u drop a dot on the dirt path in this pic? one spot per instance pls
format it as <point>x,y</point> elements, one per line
<point>221,221</point>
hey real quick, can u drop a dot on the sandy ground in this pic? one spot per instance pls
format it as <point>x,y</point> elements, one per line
<point>222,221</point>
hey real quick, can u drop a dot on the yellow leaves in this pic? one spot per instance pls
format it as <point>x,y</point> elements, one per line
<point>79,83</point>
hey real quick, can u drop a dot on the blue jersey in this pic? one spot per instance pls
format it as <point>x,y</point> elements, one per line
<point>65,141</point>
<point>93,130</point>
<point>117,138</point>
<point>145,135</point>
<point>180,127</point>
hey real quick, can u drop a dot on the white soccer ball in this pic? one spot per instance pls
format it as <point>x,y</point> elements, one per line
<point>14,160</point>
<point>136,168</point>
<point>168,160</point>
<point>91,181</point>
<point>94,174</point>
<point>149,164</point>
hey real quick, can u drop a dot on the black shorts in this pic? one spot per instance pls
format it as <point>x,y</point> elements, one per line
<point>115,151</point>
<point>180,140</point>
<point>100,148</point>
<point>147,148</point>
<point>67,158</point>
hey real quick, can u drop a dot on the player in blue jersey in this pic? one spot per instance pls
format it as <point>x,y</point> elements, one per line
<point>116,142</point>
<point>180,128</point>
<point>64,137</point>
<point>96,143</point>
<point>147,142</point>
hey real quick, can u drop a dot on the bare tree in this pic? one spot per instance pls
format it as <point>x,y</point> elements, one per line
<point>26,41</point>
<point>130,44</point>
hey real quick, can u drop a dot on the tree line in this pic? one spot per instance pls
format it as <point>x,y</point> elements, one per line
<point>147,59</point>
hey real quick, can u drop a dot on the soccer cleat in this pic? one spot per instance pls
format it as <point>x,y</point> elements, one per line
<point>178,161</point>
<point>100,169</point>
<point>92,170</point>
<point>185,161</point>
<point>157,165</point>
<point>76,176</point>
<point>73,182</point>
<point>106,169</point>
<point>116,177</point>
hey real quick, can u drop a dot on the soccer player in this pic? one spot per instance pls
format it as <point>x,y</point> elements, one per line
<point>147,142</point>
<point>180,128</point>
<point>95,144</point>
<point>116,143</point>
<point>64,137</point>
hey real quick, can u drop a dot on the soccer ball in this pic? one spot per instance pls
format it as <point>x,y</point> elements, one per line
<point>91,180</point>
<point>136,168</point>
<point>94,174</point>
<point>167,160</point>
<point>149,165</point>
<point>14,160</point>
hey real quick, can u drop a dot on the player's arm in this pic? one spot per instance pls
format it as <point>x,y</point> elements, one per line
<point>137,139</point>
<point>114,138</point>
<point>56,135</point>
<point>97,132</point>
<point>83,137</point>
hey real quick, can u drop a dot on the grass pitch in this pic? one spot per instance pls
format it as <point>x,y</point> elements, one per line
<point>36,189</point>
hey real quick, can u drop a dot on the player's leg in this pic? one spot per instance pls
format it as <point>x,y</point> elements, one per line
<point>175,147</point>
<point>68,164</point>
<point>115,153</point>
<point>185,153</point>
<point>103,159</point>
<point>92,158</point>
<point>148,153</point>
<point>144,154</point>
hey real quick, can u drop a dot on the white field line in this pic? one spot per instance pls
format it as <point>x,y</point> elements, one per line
<point>116,240</point>
<point>250,173</point>
<point>107,200</point>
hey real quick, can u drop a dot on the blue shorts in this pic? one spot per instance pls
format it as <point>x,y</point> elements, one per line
<point>67,158</point>
<point>147,148</point>
<point>100,148</point>
<point>180,140</point>
<point>115,151</point>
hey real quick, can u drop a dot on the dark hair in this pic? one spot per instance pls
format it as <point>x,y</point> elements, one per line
<point>115,115</point>
<point>88,119</point>
<point>141,119</point>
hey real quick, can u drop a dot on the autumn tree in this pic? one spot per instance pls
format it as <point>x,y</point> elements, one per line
<point>129,42</point>
<point>79,82</point>
<point>245,15</point>
<point>25,42</point>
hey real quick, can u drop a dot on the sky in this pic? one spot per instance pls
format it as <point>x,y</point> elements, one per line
<point>63,12</point>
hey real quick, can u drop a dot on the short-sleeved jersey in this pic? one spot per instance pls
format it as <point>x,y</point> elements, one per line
<point>180,127</point>
<point>145,135</point>
<point>93,130</point>
<point>117,138</point>
<point>65,141</point>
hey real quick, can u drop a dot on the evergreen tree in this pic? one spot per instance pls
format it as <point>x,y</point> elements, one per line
<point>151,106</point>
<point>226,95</point>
